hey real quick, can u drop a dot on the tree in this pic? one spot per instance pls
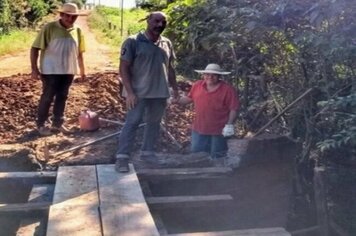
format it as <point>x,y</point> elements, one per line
<point>153,4</point>
<point>37,10</point>
<point>5,16</point>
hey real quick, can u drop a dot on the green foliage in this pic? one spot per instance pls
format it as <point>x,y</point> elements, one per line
<point>276,51</point>
<point>339,119</point>
<point>151,5</point>
<point>16,14</point>
<point>5,16</point>
<point>79,3</point>
<point>15,41</point>
<point>228,34</point>
<point>103,17</point>
<point>19,8</point>
<point>108,11</point>
<point>38,9</point>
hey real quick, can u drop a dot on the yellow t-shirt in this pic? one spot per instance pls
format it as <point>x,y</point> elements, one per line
<point>59,48</point>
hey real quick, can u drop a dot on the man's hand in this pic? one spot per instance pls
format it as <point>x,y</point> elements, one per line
<point>82,77</point>
<point>175,94</point>
<point>131,101</point>
<point>174,98</point>
<point>35,74</point>
<point>228,130</point>
<point>79,78</point>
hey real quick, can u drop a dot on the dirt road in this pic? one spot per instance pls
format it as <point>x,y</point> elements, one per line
<point>96,56</point>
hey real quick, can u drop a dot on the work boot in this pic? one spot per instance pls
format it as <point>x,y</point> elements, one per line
<point>122,163</point>
<point>44,131</point>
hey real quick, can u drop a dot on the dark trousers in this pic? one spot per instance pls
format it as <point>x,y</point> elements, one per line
<point>54,87</point>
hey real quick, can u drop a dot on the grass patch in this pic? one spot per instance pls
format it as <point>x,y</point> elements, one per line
<point>105,22</point>
<point>16,41</point>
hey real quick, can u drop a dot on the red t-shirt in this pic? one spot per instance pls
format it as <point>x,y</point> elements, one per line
<point>212,108</point>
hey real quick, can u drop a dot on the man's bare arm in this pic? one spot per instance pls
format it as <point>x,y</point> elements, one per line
<point>173,80</point>
<point>35,73</point>
<point>81,66</point>
<point>232,117</point>
<point>125,75</point>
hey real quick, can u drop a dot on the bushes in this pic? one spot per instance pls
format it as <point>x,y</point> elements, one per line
<point>38,9</point>
<point>338,118</point>
<point>102,16</point>
<point>5,16</point>
<point>16,41</point>
<point>277,50</point>
<point>17,14</point>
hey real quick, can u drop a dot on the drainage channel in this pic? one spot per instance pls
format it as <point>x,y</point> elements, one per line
<point>13,191</point>
<point>260,190</point>
<point>258,201</point>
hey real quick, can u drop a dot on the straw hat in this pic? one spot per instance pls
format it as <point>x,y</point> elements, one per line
<point>71,9</point>
<point>213,69</point>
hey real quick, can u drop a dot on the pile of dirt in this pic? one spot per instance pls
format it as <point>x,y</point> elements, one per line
<point>100,93</point>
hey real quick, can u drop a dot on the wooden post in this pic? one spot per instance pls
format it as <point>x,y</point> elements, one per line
<point>320,196</point>
<point>122,18</point>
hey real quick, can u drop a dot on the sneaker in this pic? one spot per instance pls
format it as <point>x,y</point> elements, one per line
<point>122,165</point>
<point>62,129</point>
<point>44,131</point>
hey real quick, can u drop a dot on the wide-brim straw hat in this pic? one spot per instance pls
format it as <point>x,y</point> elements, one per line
<point>71,9</point>
<point>213,69</point>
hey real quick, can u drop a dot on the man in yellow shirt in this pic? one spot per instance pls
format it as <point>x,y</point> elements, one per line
<point>60,45</point>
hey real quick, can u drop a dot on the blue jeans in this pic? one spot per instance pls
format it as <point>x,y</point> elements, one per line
<point>149,110</point>
<point>215,145</point>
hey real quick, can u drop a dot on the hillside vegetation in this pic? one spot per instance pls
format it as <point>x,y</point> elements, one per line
<point>106,22</point>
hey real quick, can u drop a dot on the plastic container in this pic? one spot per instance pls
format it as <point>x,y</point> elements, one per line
<point>89,121</point>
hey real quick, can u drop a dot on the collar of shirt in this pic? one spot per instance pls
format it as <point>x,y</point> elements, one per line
<point>144,37</point>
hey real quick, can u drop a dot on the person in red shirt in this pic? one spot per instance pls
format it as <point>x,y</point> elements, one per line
<point>216,105</point>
